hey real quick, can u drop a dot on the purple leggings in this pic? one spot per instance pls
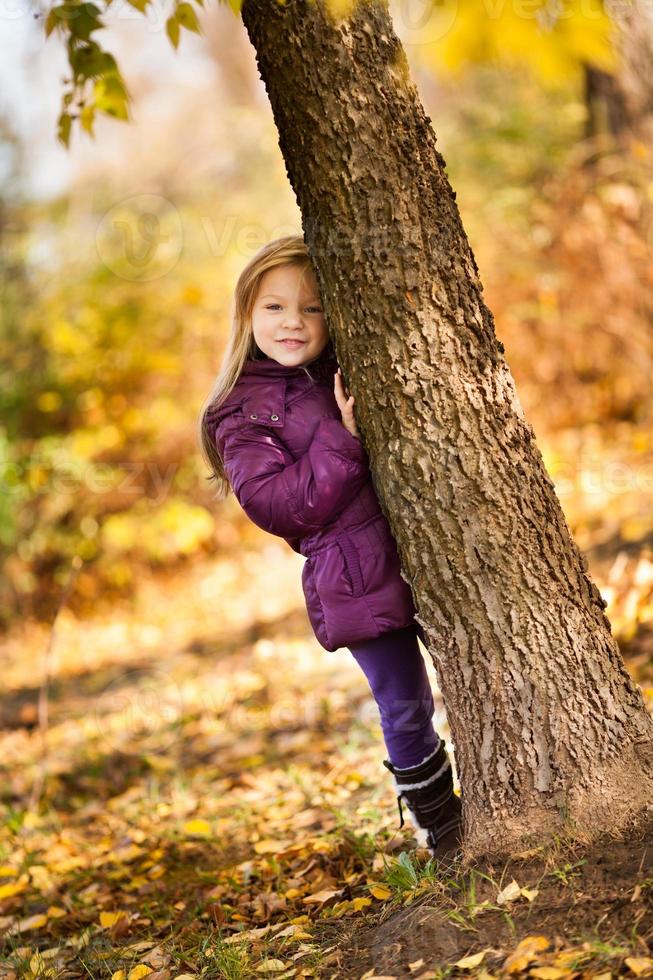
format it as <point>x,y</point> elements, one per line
<point>396,672</point>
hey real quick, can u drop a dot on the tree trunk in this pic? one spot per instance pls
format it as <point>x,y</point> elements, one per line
<point>607,113</point>
<point>622,105</point>
<point>545,720</point>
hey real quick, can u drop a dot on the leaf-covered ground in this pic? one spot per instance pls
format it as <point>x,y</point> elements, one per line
<point>206,798</point>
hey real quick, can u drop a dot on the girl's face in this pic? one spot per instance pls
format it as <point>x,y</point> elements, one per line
<point>287,320</point>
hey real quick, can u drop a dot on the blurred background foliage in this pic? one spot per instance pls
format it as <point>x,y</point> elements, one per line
<point>117,285</point>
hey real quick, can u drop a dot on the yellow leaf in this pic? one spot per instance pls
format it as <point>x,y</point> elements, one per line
<point>32,922</point>
<point>381,892</point>
<point>525,952</point>
<point>639,964</point>
<point>37,964</point>
<point>547,972</point>
<point>267,846</point>
<point>6,871</point>
<point>361,903</point>
<point>139,971</point>
<point>200,828</point>
<point>271,966</point>
<point>529,893</point>
<point>295,932</point>
<point>109,919</point>
<point>509,893</point>
<point>469,962</point>
<point>55,912</point>
<point>14,888</point>
<point>118,975</point>
<point>570,957</point>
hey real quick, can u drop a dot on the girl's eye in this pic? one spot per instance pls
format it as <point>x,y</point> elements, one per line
<point>271,306</point>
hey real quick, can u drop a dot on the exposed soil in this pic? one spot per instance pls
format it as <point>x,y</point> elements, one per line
<point>594,905</point>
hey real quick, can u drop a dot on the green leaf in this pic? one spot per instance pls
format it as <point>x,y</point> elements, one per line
<point>86,19</point>
<point>187,17</point>
<point>90,61</point>
<point>172,30</point>
<point>63,128</point>
<point>55,19</point>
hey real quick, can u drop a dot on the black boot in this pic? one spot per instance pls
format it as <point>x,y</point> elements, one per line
<point>433,807</point>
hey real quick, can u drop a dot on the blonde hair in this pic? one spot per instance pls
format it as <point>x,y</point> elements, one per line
<point>241,344</point>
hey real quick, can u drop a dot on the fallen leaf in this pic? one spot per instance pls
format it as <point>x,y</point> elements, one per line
<point>524,953</point>
<point>361,903</point>
<point>55,912</point>
<point>157,958</point>
<point>109,919</point>
<point>529,893</point>
<point>639,964</point>
<point>382,892</point>
<point>31,922</point>
<point>509,893</point>
<point>469,962</point>
<point>249,934</point>
<point>318,897</point>
<point>12,888</point>
<point>139,971</point>
<point>570,957</point>
<point>268,846</point>
<point>295,931</point>
<point>547,972</point>
<point>415,965</point>
<point>271,966</point>
<point>197,828</point>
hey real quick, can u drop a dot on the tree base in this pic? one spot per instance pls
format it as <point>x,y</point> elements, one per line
<point>616,794</point>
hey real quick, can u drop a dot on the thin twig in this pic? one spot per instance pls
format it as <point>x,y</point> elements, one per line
<point>43,702</point>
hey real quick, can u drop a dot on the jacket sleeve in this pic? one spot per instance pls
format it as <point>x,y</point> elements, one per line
<point>292,497</point>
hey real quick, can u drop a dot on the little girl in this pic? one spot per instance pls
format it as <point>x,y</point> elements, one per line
<point>278,429</point>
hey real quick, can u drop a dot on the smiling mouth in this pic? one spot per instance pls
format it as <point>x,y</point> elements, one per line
<point>292,343</point>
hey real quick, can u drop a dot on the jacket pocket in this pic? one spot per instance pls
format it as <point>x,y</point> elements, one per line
<point>352,563</point>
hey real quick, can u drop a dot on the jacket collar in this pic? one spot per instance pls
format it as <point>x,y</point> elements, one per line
<point>324,364</point>
<point>261,387</point>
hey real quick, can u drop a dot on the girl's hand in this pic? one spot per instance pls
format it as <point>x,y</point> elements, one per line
<point>345,404</point>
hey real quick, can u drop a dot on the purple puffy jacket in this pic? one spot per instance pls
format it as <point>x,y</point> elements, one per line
<point>298,473</point>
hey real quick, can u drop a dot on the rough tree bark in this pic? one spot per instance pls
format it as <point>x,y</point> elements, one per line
<point>545,719</point>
